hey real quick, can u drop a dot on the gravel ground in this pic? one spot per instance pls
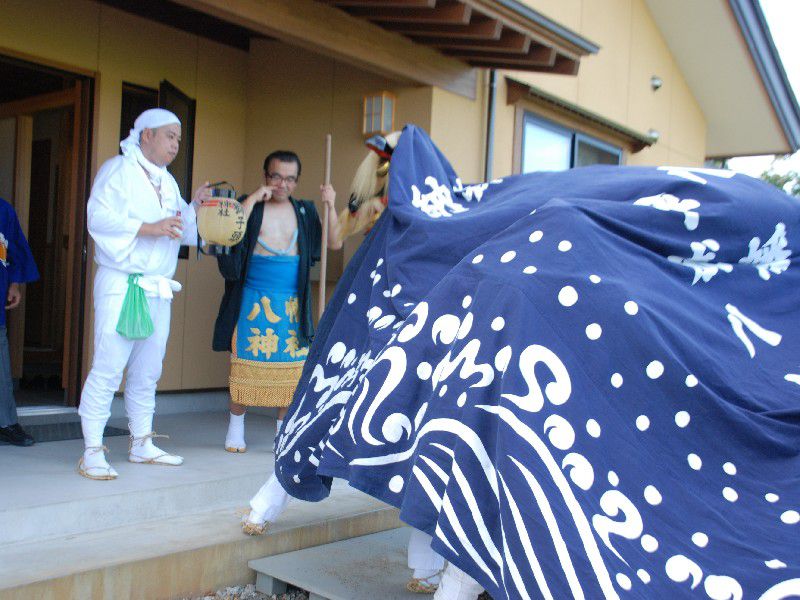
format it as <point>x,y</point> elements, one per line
<point>248,592</point>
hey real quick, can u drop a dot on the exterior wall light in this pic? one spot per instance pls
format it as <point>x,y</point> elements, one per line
<point>656,82</point>
<point>653,134</point>
<point>378,114</point>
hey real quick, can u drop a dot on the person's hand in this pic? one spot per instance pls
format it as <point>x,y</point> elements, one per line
<point>262,194</point>
<point>171,227</point>
<point>201,194</point>
<point>14,296</point>
<point>328,196</point>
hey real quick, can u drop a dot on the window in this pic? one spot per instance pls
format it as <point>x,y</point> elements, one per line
<point>547,146</point>
<point>135,100</point>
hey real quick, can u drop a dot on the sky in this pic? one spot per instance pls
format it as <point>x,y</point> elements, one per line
<point>783,17</point>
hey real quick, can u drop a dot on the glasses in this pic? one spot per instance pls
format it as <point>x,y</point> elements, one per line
<point>275,179</point>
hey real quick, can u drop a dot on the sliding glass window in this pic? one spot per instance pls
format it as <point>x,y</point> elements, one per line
<point>547,146</point>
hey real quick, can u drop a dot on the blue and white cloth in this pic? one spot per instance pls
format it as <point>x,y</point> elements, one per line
<point>582,384</point>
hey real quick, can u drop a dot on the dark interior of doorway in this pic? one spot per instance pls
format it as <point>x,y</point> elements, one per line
<point>40,379</point>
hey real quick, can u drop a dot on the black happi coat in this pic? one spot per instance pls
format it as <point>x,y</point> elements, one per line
<point>233,268</point>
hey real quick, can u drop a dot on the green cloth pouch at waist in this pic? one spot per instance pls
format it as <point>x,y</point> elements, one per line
<point>134,318</point>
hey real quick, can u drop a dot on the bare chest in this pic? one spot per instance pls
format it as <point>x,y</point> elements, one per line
<point>278,229</point>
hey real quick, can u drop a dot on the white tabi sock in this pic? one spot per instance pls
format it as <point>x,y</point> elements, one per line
<point>94,457</point>
<point>144,450</point>
<point>278,425</point>
<point>92,432</point>
<point>269,502</point>
<point>235,436</point>
<point>457,585</point>
<point>432,576</point>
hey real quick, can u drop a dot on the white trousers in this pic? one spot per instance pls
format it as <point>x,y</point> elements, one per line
<point>112,355</point>
<point>457,585</point>
<point>420,555</point>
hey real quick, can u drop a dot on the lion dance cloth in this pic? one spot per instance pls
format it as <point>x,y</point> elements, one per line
<point>582,384</point>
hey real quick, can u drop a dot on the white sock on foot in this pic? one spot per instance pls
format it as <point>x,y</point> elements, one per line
<point>457,585</point>
<point>145,449</point>
<point>235,436</point>
<point>95,463</point>
<point>432,576</point>
<point>269,502</point>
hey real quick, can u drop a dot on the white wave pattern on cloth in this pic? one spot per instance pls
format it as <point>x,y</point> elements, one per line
<point>488,415</point>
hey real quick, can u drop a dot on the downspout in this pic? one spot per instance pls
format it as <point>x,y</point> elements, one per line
<point>490,114</point>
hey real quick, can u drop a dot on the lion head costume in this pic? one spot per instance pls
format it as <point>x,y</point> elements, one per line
<point>369,192</point>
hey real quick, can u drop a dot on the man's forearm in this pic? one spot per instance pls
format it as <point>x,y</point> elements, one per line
<point>248,204</point>
<point>334,231</point>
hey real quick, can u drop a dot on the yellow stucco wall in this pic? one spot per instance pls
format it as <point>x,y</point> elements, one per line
<point>458,127</point>
<point>119,47</point>
<point>615,83</point>
<point>295,97</point>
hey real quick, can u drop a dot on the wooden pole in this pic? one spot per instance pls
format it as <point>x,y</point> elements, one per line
<point>323,264</point>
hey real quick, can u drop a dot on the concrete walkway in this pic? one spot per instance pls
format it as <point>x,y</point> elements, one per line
<point>155,532</point>
<point>362,568</point>
<point>44,495</point>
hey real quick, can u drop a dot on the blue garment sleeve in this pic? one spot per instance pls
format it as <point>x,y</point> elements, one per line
<point>22,267</point>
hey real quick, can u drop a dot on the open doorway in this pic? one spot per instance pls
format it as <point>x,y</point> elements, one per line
<point>44,141</point>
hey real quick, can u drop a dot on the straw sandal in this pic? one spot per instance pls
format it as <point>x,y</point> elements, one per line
<point>422,585</point>
<point>97,473</point>
<point>156,460</point>
<point>252,528</point>
<point>236,450</point>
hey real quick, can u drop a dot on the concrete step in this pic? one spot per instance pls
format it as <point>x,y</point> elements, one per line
<point>167,403</point>
<point>361,568</point>
<point>44,497</point>
<point>181,556</point>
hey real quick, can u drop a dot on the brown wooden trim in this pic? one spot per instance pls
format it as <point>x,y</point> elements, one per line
<point>22,205</point>
<point>449,14</point>
<point>76,257</point>
<point>539,56</point>
<point>477,29</point>
<point>333,33</point>
<point>511,42</point>
<point>45,62</point>
<point>34,104</point>
<point>563,65</point>
<point>382,3</point>
<point>539,33</point>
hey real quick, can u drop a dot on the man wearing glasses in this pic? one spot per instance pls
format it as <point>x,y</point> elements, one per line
<point>265,318</point>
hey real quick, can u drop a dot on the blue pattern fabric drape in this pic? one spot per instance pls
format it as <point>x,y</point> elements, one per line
<point>582,384</point>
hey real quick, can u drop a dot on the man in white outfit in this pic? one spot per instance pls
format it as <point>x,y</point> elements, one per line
<point>138,221</point>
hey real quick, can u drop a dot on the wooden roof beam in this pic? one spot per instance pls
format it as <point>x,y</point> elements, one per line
<point>345,4</point>
<point>453,14</point>
<point>540,56</point>
<point>510,41</point>
<point>477,29</point>
<point>564,65</point>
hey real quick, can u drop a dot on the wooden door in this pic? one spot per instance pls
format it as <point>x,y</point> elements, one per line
<point>75,101</point>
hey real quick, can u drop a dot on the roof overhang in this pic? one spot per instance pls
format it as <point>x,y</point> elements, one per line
<point>726,54</point>
<point>500,34</point>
